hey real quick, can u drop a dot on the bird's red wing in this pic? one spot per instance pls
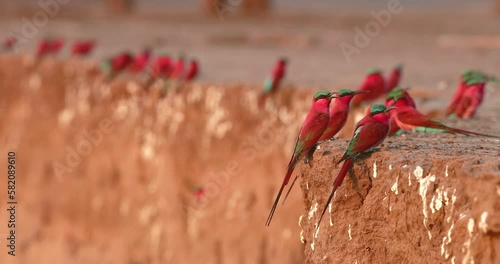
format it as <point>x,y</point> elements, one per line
<point>366,136</point>
<point>413,117</point>
<point>370,135</point>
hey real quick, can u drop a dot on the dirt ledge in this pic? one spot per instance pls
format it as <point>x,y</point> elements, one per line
<point>428,202</point>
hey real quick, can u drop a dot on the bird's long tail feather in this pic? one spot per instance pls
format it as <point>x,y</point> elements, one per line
<point>338,181</point>
<point>466,132</point>
<point>285,181</point>
<point>289,189</point>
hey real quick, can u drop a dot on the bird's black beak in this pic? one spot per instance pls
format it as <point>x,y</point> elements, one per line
<point>359,92</point>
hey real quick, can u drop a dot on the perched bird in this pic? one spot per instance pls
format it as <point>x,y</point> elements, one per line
<point>311,130</point>
<point>43,48</point>
<point>199,191</point>
<point>472,98</point>
<point>273,81</point>
<point>178,70</point>
<point>56,45</point>
<point>398,97</point>
<point>47,47</point>
<point>338,117</point>
<point>409,118</point>
<point>370,132</point>
<point>117,64</point>
<point>192,70</point>
<point>161,68</point>
<point>339,112</point>
<point>374,83</point>
<point>140,61</point>
<point>9,43</point>
<point>462,86</point>
<point>398,94</point>
<point>82,47</point>
<point>394,78</point>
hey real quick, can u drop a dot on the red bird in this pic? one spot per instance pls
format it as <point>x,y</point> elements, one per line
<point>471,99</point>
<point>273,81</point>
<point>192,71</point>
<point>141,61</point>
<point>394,78</point>
<point>9,43</point>
<point>43,48</point>
<point>462,86</point>
<point>338,117</point>
<point>374,83</point>
<point>178,70</point>
<point>370,132</point>
<point>399,97</point>
<point>311,130</point>
<point>409,118</point>
<point>56,45</point>
<point>199,191</point>
<point>339,112</point>
<point>49,46</point>
<point>161,68</point>
<point>116,64</point>
<point>82,48</point>
<point>121,61</point>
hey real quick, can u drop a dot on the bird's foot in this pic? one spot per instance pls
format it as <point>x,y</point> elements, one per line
<point>309,156</point>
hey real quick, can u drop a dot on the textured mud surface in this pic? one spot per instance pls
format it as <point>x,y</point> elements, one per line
<point>127,196</point>
<point>424,203</point>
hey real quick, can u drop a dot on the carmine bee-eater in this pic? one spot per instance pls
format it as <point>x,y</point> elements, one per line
<point>43,48</point>
<point>398,97</point>
<point>9,43</point>
<point>369,133</point>
<point>161,68</point>
<point>273,81</point>
<point>409,118</point>
<point>140,61</point>
<point>56,45</point>
<point>82,47</point>
<point>339,112</point>
<point>47,47</point>
<point>117,64</point>
<point>472,98</point>
<point>462,86</point>
<point>311,130</point>
<point>374,83</point>
<point>394,78</point>
<point>192,70</point>
<point>338,117</point>
<point>178,70</point>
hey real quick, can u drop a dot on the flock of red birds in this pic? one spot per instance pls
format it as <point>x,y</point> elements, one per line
<point>399,113</point>
<point>158,67</point>
<point>464,104</point>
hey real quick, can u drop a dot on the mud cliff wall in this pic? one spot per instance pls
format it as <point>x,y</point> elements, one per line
<point>106,175</point>
<point>126,197</point>
<point>427,199</point>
